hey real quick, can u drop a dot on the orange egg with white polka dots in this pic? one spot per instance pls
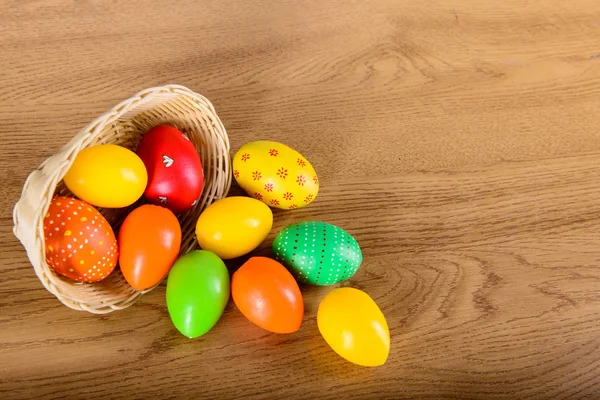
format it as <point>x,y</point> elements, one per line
<point>80,243</point>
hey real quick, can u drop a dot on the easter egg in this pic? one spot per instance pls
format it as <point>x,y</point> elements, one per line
<point>354,327</point>
<point>233,226</point>
<point>275,174</point>
<point>268,295</point>
<point>79,242</point>
<point>107,176</point>
<point>149,242</point>
<point>197,292</point>
<point>175,175</point>
<point>318,253</point>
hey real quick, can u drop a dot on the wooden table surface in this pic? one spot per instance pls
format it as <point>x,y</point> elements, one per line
<point>459,142</point>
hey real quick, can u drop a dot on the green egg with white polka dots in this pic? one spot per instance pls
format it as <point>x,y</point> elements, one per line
<point>317,253</point>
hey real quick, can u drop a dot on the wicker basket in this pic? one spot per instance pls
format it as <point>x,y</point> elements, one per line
<point>123,125</point>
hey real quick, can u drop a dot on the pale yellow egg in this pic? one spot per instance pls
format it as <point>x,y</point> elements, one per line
<point>233,226</point>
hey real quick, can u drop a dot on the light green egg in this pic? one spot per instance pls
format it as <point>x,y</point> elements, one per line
<point>197,292</point>
<point>318,253</point>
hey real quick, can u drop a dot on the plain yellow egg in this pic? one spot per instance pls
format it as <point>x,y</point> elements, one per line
<point>233,226</point>
<point>354,326</point>
<point>108,176</point>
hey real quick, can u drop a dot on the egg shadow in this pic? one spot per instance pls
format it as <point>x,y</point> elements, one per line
<point>312,296</point>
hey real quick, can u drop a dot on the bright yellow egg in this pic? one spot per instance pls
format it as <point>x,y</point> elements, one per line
<point>354,326</point>
<point>107,176</point>
<point>275,174</point>
<point>233,226</point>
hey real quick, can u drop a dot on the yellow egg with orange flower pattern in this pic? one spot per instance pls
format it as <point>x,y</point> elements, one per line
<point>275,174</point>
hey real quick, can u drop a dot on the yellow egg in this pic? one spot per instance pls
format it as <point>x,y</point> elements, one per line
<point>107,176</point>
<point>233,226</point>
<point>275,174</point>
<point>354,326</point>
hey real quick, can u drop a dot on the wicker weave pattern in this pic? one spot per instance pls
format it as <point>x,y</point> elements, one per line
<point>123,125</point>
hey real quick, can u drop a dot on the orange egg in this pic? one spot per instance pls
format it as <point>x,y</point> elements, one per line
<point>268,295</point>
<point>79,242</point>
<point>149,242</point>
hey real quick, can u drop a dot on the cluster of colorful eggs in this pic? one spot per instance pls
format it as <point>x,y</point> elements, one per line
<point>166,169</point>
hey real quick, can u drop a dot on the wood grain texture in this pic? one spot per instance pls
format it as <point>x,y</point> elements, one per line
<point>458,142</point>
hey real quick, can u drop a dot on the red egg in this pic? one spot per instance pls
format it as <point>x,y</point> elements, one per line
<point>80,244</point>
<point>175,175</point>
